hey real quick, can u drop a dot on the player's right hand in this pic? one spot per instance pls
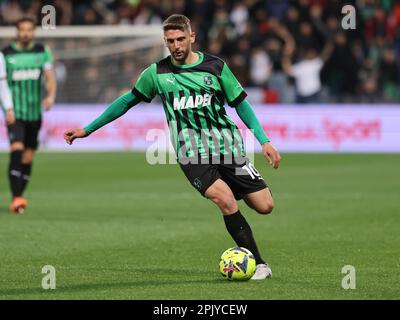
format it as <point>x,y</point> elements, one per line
<point>72,134</point>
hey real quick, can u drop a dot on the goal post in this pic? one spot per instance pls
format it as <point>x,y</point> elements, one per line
<point>94,64</point>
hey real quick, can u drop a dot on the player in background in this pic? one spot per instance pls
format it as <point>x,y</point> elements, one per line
<point>193,87</point>
<point>27,63</point>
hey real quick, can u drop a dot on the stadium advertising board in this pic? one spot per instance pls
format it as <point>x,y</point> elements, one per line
<point>322,128</point>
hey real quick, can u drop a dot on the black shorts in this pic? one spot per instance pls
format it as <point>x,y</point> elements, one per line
<point>26,132</point>
<point>242,178</point>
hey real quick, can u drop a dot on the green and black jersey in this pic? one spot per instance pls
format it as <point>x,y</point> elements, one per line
<point>193,97</point>
<point>24,74</point>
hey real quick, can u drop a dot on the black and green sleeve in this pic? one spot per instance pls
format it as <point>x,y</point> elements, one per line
<point>145,87</point>
<point>246,113</point>
<point>233,90</point>
<point>116,109</point>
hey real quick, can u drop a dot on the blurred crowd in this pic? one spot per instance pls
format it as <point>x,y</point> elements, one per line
<point>293,50</point>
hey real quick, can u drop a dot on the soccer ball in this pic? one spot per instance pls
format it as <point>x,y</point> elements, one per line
<point>237,264</point>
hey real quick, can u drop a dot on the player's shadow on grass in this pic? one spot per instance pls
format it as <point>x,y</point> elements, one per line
<point>66,289</point>
<point>9,293</point>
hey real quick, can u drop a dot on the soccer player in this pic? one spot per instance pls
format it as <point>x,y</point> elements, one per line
<point>193,87</point>
<point>27,63</point>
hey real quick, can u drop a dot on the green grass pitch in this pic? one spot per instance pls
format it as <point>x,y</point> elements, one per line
<point>115,227</point>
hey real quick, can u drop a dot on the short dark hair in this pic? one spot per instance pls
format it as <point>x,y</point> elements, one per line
<point>25,19</point>
<point>177,21</point>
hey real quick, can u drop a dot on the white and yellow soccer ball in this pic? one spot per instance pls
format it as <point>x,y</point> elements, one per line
<point>237,263</point>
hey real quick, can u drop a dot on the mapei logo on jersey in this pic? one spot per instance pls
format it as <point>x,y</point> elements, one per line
<point>199,100</point>
<point>208,80</point>
<point>32,74</point>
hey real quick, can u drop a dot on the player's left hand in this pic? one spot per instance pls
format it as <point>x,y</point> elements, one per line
<point>48,103</point>
<point>271,154</point>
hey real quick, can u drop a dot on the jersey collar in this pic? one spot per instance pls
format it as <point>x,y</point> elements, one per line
<point>29,48</point>
<point>201,57</point>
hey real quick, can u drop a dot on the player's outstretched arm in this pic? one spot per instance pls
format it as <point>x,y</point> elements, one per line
<point>119,107</point>
<point>246,113</point>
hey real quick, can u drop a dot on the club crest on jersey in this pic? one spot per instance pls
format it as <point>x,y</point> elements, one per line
<point>197,183</point>
<point>208,80</point>
<point>199,100</point>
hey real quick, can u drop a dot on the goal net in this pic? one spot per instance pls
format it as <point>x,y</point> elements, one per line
<point>94,64</point>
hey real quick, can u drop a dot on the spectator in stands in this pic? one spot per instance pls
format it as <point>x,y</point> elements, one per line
<point>369,91</point>
<point>270,27</point>
<point>147,16</point>
<point>279,42</point>
<point>222,28</point>
<point>260,67</point>
<point>277,8</point>
<point>292,21</point>
<point>11,12</point>
<point>239,16</point>
<point>306,73</point>
<point>341,69</point>
<point>389,76</point>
